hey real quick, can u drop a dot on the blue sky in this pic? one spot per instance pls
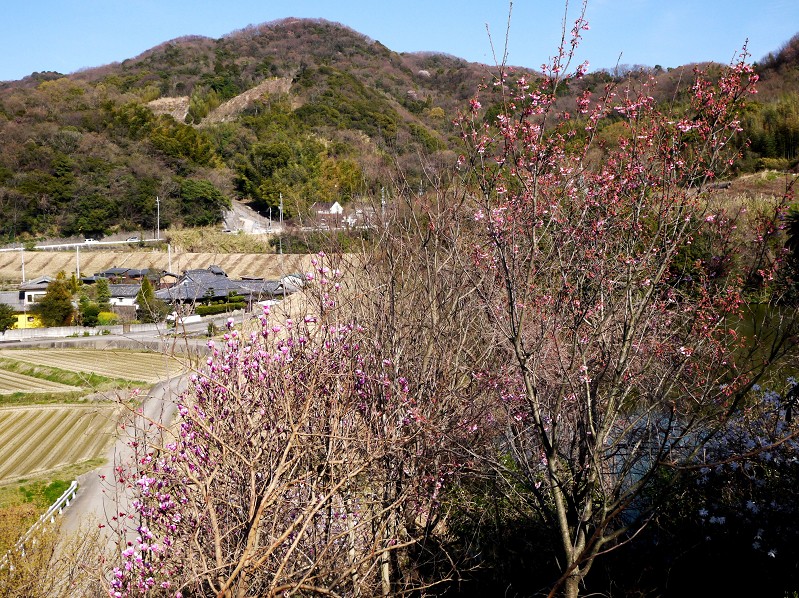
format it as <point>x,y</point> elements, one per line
<point>68,35</point>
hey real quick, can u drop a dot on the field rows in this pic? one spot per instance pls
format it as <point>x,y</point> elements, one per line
<point>35,439</point>
<point>236,265</point>
<point>126,365</point>
<point>11,382</point>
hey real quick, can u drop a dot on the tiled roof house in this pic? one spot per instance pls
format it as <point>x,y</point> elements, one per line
<point>195,286</point>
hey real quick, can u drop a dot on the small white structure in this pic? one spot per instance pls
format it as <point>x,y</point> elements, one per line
<point>124,294</point>
<point>327,213</point>
<point>327,208</point>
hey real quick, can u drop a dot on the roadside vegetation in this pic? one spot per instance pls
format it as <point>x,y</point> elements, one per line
<point>22,503</point>
<point>213,240</point>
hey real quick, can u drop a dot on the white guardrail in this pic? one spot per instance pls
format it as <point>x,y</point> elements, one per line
<point>49,517</point>
<point>79,244</point>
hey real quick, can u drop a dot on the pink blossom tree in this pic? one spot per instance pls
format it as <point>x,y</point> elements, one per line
<point>300,461</point>
<point>624,351</point>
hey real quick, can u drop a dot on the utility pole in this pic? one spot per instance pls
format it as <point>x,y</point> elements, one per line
<point>158,218</point>
<point>280,237</point>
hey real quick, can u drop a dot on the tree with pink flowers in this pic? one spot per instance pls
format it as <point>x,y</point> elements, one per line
<point>300,461</point>
<point>617,286</point>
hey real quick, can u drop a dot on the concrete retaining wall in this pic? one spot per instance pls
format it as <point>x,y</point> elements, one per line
<point>25,334</point>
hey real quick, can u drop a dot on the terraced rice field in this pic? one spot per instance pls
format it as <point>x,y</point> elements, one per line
<point>126,365</point>
<point>236,265</point>
<point>38,439</point>
<point>11,382</point>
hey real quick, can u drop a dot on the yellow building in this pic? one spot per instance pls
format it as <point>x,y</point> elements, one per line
<point>26,320</point>
<point>22,301</point>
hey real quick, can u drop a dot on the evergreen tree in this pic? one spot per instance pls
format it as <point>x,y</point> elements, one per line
<point>150,308</point>
<point>7,317</point>
<point>103,294</point>
<point>55,308</point>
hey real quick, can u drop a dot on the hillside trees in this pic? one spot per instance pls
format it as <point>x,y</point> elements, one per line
<point>115,182</point>
<point>620,368</point>
<point>202,204</point>
<point>182,142</point>
<point>774,130</point>
<point>346,103</point>
<point>300,168</point>
<point>213,89</point>
<point>344,86</point>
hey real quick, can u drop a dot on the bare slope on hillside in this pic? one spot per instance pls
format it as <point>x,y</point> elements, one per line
<point>235,106</point>
<point>87,263</point>
<point>178,107</point>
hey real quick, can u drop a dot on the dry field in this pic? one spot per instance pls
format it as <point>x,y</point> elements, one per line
<point>12,382</point>
<point>35,440</point>
<point>112,363</point>
<point>38,439</point>
<point>90,261</point>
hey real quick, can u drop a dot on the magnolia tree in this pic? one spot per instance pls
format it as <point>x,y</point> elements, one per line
<point>612,279</point>
<point>298,462</point>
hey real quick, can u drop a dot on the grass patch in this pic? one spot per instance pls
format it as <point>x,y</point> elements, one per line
<point>41,398</point>
<point>42,491</point>
<point>212,240</point>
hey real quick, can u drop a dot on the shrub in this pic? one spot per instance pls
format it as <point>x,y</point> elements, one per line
<point>107,318</point>
<point>219,308</point>
<point>90,313</point>
<point>780,164</point>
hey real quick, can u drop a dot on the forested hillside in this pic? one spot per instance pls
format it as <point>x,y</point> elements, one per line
<point>306,110</point>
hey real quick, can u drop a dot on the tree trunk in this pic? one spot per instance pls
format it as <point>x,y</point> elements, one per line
<point>571,588</point>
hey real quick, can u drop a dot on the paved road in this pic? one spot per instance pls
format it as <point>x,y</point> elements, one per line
<point>96,503</point>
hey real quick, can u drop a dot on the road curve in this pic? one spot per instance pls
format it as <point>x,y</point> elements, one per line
<point>96,502</point>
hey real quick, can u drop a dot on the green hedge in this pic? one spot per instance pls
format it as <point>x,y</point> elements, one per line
<point>219,308</point>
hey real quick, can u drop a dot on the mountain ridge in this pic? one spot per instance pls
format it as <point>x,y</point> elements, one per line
<point>291,111</point>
